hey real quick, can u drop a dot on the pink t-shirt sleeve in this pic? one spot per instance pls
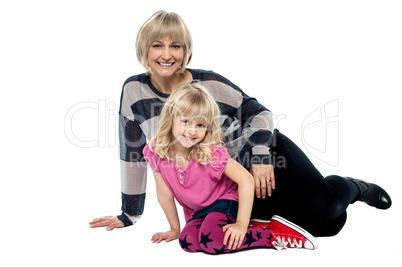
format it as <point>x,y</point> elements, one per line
<point>218,162</point>
<point>152,159</point>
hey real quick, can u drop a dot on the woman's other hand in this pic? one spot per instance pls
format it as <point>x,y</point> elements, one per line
<point>264,179</point>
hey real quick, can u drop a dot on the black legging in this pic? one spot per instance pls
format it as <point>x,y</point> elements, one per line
<point>302,194</point>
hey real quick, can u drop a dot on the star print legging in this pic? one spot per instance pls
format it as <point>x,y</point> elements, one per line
<point>206,234</point>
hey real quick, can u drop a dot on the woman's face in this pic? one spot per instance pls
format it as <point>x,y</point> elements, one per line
<point>165,57</point>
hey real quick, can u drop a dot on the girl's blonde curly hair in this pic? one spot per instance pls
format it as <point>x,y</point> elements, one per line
<point>189,100</point>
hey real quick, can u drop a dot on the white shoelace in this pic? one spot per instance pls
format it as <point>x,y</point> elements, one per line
<point>283,243</point>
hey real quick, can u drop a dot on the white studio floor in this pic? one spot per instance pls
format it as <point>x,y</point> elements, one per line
<point>328,70</point>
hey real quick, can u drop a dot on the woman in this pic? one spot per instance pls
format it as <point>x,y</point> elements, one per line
<point>164,48</point>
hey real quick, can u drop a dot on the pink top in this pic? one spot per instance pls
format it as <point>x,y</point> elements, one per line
<point>197,186</point>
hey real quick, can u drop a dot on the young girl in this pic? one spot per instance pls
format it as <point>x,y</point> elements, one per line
<point>191,165</point>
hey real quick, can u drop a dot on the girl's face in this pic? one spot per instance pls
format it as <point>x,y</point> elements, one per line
<point>188,131</point>
<point>165,57</point>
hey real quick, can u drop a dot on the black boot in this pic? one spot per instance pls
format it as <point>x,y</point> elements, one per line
<point>372,194</point>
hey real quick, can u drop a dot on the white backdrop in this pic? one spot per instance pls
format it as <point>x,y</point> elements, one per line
<point>329,70</point>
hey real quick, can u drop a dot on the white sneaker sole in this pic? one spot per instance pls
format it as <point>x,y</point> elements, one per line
<point>260,221</point>
<point>310,244</point>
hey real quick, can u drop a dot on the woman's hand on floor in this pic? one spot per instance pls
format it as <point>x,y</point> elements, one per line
<point>110,222</point>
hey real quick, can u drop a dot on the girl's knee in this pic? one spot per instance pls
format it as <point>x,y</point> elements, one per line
<point>189,243</point>
<point>211,240</point>
<point>188,238</point>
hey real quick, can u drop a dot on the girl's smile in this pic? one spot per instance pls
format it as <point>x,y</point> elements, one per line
<point>188,131</point>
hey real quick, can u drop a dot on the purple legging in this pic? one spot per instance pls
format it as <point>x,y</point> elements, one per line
<point>206,234</point>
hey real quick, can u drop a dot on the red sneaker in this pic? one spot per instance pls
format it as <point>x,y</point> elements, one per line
<point>287,234</point>
<point>259,224</point>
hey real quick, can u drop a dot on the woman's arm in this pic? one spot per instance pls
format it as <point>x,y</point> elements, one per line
<point>245,183</point>
<point>166,200</point>
<point>133,170</point>
<point>256,122</point>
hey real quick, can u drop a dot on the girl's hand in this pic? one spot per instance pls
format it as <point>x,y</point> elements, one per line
<point>167,236</point>
<point>264,179</point>
<point>236,232</point>
<point>111,222</point>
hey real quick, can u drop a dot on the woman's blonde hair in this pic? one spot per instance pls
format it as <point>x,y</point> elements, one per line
<point>158,26</point>
<point>189,100</point>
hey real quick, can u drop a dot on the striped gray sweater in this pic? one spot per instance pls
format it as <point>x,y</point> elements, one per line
<point>247,126</point>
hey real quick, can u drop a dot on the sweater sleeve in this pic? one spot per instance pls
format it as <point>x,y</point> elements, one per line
<point>257,120</point>
<point>132,163</point>
<point>247,124</point>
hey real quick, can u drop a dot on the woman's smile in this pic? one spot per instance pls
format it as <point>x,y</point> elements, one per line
<point>165,64</point>
<point>165,57</point>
